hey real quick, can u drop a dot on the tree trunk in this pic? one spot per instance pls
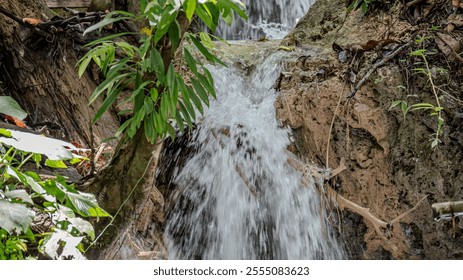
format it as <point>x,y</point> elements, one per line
<point>126,189</point>
<point>40,73</point>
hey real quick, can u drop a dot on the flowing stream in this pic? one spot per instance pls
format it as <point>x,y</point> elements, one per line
<point>272,19</point>
<point>237,197</point>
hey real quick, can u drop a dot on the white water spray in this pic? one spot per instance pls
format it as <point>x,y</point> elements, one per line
<point>272,19</point>
<point>237,196</point>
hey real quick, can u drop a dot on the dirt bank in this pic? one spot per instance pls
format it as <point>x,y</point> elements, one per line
<point>390,164</point>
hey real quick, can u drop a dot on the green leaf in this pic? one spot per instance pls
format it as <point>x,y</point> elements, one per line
<point>114,75</point>
<point>190,8</point>
<point>14,217</point>
<point>164,110</point>
<point>29,181</point>
<point>107,20</point>
<point>420,52</point>
<point>206,40</point>
<point>62,245</point>
<point>112,96</point>
<point>108,39</point>
<point>171,78</point>
<point>195,100</point>
<point>204,14</point>
<point>55,163</point>
<point>55,189</point>
<point>185,92</point>
<point>174,34</point>
<point>150,130</point>
<point>83,64</point>
<point>19,194</point>
<point>5,132</point>
<point>200,91</point>
<point>190,60</point>
<point>157,63</point>
<point>186,116</point>
<point>10,107</point>
<point>237,7</point>
<point>85,204</point>
<point>167,17</point>
<point>210,57</point>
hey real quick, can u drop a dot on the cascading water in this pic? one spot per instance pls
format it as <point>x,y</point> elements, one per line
<point>236,196</point>
<point>272,19</point>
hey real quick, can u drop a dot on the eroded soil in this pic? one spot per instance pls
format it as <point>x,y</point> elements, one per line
<point>391,166</point>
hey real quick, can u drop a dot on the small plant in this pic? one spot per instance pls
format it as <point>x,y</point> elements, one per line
<point>363,4</point>
<point>435,110</point>
<point>24,195</point>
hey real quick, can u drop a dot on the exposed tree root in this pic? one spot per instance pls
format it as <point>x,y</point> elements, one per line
<point>380,226</point>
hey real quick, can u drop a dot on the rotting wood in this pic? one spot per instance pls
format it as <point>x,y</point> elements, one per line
<point>447,210</point>
<point>68,3</point>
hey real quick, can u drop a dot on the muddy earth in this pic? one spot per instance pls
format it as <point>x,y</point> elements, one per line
<point>391,168</point>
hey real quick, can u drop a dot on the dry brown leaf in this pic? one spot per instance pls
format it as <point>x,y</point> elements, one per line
<point>448,46</point>
<point>32,21</point>
<point>456,3</point>
<point>450,27</point>
<point>456,19</point>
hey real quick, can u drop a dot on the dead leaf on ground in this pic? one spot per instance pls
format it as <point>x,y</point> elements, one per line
<point>449,46</point>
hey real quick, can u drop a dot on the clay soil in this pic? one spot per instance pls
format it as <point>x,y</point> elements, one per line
<point>391,167</point>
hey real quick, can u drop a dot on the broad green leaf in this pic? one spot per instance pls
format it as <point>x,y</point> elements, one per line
<point>55,189</point>
<point>85,204</point>
<point>83,226</point>
<point>9,106</point>
<point>19,194</point>
<point>14,217</point>
<point>55,163</point>
<point>62,245</point>
<point>5,132</point>
<point>29,181</point>
<point>237,6</point>
<point>29,142</point>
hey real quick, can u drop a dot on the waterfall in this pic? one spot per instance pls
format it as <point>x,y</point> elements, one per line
<point>272,19</point>
<point>237,197</point>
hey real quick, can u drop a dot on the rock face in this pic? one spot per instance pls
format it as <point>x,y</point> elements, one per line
<point>391,167</point>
